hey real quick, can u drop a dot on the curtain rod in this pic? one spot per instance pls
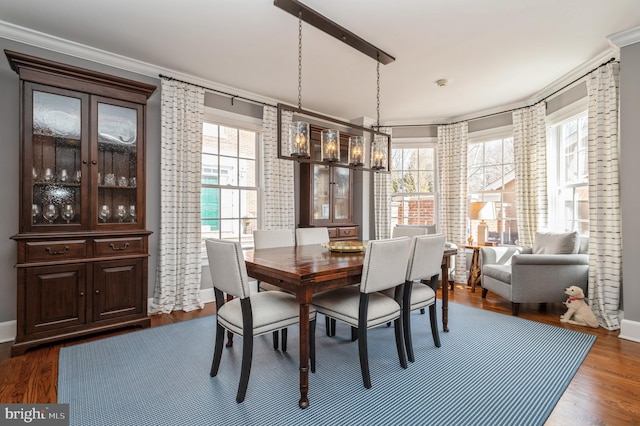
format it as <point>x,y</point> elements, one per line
<point>509,110</point>
<point>231,95</point>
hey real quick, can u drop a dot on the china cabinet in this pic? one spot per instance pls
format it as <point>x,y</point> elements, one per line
<point>82,243</point>
<point>326,197</point>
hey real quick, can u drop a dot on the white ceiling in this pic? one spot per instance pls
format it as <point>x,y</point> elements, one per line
<point>496,54</point>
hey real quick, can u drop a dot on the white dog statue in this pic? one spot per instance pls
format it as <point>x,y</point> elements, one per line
<point>578,312</point>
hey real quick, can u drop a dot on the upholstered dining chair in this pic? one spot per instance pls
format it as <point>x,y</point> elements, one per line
<point>307,236</point>
<point>363,306</point>
<point>273,238</point>
<point>248,314</point>
<point>421,284</point>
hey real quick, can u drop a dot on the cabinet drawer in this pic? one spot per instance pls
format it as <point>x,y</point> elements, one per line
<point>333,232</point>
<point>118,246</point>
<point>348,232</point>
<point>38,251</point>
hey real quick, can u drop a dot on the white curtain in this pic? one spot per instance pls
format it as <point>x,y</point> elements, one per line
<point>382,199</point>
<point>452,169</point>
<point>179,255</point>
<point>278,197</point>
<point>530,151</point>
<point>605,244</point>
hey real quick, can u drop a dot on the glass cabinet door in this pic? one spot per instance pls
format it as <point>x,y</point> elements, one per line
<point>321,192</point>
<point>55,129</point>
<point>117,159</point>
<point>341,195</point>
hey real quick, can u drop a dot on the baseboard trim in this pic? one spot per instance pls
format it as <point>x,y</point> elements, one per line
<point>630,330</point>
<point>8,331</point>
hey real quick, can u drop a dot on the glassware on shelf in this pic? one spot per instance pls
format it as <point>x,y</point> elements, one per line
<point>68,213</point>
<point>105,213</point>
<point>34,173</point>
<point>48,175</point>
<point>64,175</point>
<point>123,181</point>
<point>50,213</point>
<point>35,212</point>
<point>132,213</point>
<point>77,177</point>
<point>133,182</point>
<point>110,179</point>
<point>99,178</point>
<point>121,213</point>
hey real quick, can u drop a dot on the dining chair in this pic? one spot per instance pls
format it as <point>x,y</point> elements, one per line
<point>408,231</point>
<point>247,314</point>
<point>421,283</point>
<point>307,236</point>
<point>384,267</point>
<point>273,238</point>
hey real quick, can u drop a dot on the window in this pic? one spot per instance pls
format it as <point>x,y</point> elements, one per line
<point>491,178</point>
<point>569,175</point>
<point>413,185</point>
<point>229,197</point>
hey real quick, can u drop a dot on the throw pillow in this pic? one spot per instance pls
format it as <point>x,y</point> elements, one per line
<point>556,243</point>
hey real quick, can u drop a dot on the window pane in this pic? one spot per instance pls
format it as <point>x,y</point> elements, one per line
<point>508,151</point>
<point>228,141</point>
<point>426,157</point>
<point>493,152</point>
<point>475,155</point>
<point>475,180</point>
<point>426,181</point>
<point>229,203</point>
<point>396,159</point>
<point>210,169</point>
<point>247,173</point>
<point>247,144</point>
<point>249,203</point>
<point>493,178</point>
<point>228,171</point>
<point>209,204</point>
<point>230,229</point>
<point>583,126</point>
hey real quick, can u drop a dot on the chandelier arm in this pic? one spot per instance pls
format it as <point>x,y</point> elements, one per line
<point>300,60</point>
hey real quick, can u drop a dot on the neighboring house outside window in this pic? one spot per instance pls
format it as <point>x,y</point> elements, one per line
<point>229,197</point>
<point>569,175</point>
<point>491,179</point>
<point>413,184</point>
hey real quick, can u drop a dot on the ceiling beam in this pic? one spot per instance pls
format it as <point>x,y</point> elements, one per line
<point>326,25</point>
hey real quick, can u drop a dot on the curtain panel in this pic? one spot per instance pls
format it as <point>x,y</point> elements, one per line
<point>278,197</point>
<point>452,169</point>
<point>178,274</point>
<point>530,152</point>
<point>605,242</point>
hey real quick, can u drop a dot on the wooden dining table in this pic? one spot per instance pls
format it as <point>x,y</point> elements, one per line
<point>305,270</point>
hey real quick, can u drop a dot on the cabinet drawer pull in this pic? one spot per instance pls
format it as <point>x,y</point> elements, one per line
<point>124,247</point>
<point>53,252</point>
<point>82,293</point>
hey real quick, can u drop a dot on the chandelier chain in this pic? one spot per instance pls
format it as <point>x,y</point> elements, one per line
<point>300,60</point>
<point>378,90</point>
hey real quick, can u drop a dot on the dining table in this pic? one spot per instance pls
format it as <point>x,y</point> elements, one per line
<point>309,269</point>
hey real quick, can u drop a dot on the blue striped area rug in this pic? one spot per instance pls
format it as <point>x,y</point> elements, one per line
<point>492,369</point>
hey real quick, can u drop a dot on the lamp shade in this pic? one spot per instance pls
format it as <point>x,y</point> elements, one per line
<point>299,145</point>
<point>356,150</point>
<point>379,154</point>
<point>482,210</point>
<point>330,145</point>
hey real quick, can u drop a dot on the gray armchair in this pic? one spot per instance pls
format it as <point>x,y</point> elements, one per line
<point>539,274</point>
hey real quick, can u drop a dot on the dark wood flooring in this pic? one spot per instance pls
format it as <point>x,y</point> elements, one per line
<point>604,391</point>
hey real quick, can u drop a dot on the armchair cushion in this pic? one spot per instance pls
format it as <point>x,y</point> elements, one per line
<point>499,272</point>
<point>556,243</point>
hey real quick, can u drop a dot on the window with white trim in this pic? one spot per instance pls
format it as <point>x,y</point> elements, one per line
<point>491,179</point>
<point>229,195</point>
<point>413,184</point>
<point>569,175</point>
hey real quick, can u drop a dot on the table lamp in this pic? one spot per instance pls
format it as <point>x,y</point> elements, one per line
<point>482,211</point>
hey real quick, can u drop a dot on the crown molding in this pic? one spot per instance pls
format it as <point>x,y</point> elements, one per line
<point>103,57</point>
<point>625,38</point>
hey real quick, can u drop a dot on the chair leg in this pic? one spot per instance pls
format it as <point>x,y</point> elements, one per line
<point>364,356</point>
<point>333,327</point>
<point>247,354</point>
<point>284,339</point>
<point>515,308</point>
<point>330,326</point>
<point>433,317</point>
<point>406,311</point>
<point>484,293</point>
<point>312,344</point>
<point>421,311</point>
<point>217,353</point>
<point>400,342</point>
<point>275,340</point>
<point>354,334</point>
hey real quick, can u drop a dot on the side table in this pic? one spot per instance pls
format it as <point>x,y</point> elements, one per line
<point>474,268</point>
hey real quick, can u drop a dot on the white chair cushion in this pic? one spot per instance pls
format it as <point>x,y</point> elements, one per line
<point>421,295</point>
<point>272,310</point>
<point>343,304</point>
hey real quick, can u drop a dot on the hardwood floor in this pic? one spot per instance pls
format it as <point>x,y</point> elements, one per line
<point>604,391</point>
